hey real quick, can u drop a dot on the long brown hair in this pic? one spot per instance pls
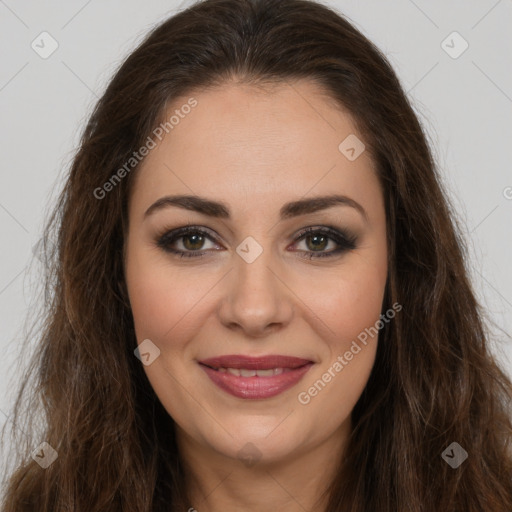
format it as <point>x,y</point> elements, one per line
<point>434,381</point>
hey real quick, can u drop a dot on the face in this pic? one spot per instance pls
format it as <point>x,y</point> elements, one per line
<point>266,269</point>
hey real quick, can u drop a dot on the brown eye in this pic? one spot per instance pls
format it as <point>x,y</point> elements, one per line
<point>192,241</point>
<point>317,240</point>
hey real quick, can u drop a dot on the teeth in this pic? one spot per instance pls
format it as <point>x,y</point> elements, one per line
<point>265,373</point>
<point>242,372</point>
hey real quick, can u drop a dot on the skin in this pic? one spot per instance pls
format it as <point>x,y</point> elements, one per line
<point>256,150</point>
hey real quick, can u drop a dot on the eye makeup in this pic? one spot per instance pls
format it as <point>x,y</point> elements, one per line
<point>318,237</point>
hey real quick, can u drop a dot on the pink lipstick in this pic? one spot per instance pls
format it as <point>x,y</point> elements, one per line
<point>255,377</point>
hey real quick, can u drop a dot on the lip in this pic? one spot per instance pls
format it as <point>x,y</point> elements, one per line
<point>256,387</point>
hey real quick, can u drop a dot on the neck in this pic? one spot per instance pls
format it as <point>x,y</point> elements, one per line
<point>216,483</point>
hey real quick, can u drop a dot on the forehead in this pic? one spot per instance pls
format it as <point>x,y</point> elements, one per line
<point>239,141</point>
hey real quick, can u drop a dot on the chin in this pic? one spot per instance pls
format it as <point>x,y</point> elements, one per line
<point>262,443</point>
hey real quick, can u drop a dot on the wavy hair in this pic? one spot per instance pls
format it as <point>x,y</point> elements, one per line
<point>434,380</point>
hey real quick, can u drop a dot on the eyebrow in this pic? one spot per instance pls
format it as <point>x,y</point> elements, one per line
<point>221,210</point>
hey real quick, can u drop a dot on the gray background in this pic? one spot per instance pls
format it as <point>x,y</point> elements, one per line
<point>464,103</point>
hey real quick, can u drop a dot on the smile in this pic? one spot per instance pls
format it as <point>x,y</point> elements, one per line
<point>255,377</point>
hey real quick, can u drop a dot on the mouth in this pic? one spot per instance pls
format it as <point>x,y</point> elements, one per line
<point>255,377</point>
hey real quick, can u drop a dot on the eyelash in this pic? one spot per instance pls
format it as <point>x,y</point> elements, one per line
<point>345,241</point>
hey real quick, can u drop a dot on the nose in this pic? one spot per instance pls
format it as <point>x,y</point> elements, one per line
<point>256,299</point>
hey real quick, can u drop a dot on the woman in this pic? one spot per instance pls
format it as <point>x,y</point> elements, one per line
<point>259,297</point>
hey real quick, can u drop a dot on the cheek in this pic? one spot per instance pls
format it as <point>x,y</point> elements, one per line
<point>357,303</point>
<point>330,393</point>
<point>167,306</point>
<point>168,302</point>
<point>350,304</point>
<point>155,307</point>
<point>163,299</point>
<point>347,301</point>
